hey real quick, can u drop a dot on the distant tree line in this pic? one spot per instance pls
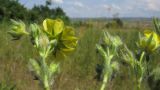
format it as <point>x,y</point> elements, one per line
<point>116,22</point>
<point>12,9</point>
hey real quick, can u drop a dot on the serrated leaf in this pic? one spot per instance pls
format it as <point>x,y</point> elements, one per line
<point>115,66</point>
<point>53,68</point>
<point>35,66</point>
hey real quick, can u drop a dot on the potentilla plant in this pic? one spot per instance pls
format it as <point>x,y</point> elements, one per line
<point>149,43</point>
<point>138,66</point>
<point>108,50</point>
<point>54,38</point>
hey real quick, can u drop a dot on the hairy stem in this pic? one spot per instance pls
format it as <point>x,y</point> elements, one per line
<point>104,83</point>
<point>46,88</point>
<point>45,82</point>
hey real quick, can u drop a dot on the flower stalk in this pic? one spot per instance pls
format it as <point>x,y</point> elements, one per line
<point>108,50</point>
<point>53,38</point>
<point>104,83</point>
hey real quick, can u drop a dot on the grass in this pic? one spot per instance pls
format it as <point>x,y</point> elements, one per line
<point>77,71</point>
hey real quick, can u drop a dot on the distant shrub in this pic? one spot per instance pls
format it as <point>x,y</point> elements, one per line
<point>115,23</point>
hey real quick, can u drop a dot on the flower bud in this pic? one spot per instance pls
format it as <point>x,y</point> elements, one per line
<point>17,29</point>
<point>150,41</point>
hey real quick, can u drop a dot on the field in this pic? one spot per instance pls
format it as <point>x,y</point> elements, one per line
<point>78,70</point>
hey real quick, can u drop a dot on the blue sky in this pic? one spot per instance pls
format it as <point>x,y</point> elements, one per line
<point>103,8</point>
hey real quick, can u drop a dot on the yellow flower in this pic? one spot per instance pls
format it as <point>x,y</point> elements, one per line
<point>67,41</point>
<point>53,27</point>
<point>150,42</point>
<point>65,35</point>
<point>156,37</point>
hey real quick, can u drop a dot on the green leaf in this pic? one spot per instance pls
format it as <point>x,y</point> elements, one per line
<point>53,68</point>
<point>115,66</point>
<point>101,51</point>
<point>35,66</point>
<point>107,38</point>
<point>156,23</point>
<point>35,32</point>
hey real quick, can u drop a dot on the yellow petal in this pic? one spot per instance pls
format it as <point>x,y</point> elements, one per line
<point>158,39</point>
<point>148,33</point>
<point>68,32</point>
<point>155,42</point>
<point>58,27</point>
<point>48,26</point>
<point>152,46</point>
<point>68,49</point>
<point>53,27</point>
<point>70,42</point>
<point>68,38</point>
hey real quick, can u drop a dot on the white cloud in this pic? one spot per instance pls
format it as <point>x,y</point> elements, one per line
<point>114,6</point>
<point>107,7</point>
<point>153,5</point>
<point>58,1</point>
<point>111,7</point>
<point>79,4</point>
<point>149,5</point>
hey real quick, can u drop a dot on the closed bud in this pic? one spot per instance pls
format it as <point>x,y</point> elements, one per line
<point>149,42</point>
<point>17,29</point>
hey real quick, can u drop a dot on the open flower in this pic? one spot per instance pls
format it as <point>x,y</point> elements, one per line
<point>150,41</point>
<point>67,41</point>
<point>65,36</point>
<point>53,27</point>
<point>17,30</point>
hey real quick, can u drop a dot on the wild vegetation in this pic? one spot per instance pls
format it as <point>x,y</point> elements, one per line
<point>79,70</point>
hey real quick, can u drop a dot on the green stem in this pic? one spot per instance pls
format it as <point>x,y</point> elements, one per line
<point>45,82</point>
<point>139,85</point>
<point>104,83</point>
<point>46,88</point>
<point>140,79</point>
<point>142,55</point>
<point>103,86</point>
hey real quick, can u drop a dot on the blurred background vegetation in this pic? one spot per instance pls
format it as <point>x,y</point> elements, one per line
<point>13,9</point>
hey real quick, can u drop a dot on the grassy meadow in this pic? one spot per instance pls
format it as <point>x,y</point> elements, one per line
<point>78,70</point>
